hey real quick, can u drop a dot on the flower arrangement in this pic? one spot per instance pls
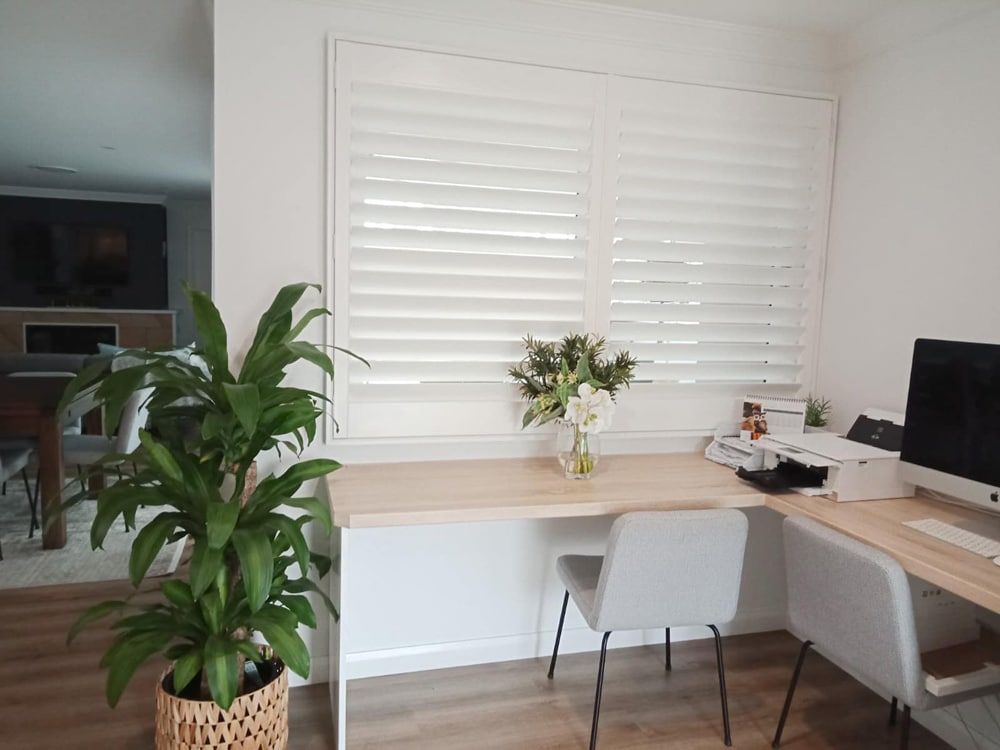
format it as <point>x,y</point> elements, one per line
<point>571,381</point>
<point>553,371</point>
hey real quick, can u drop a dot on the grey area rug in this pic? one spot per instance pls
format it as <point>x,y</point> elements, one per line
<point>25,563</point>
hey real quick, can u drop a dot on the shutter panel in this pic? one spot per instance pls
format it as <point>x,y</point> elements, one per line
<point>719,200</point>
<point>467,214</point>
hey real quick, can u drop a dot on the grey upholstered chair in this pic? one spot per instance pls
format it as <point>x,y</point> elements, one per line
<point>87,450</point>
<point>852,603</point>
<point>13,461</point>
<point>661,570</point>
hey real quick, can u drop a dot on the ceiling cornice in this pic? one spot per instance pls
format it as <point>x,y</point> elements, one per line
<point>775,57</point>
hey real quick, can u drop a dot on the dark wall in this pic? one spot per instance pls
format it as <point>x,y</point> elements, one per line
<point>140,284</point>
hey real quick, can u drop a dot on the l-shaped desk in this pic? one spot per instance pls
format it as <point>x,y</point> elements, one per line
<point>370,496</point>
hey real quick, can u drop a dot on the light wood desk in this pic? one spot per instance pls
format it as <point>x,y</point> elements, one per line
<point>368,497</point>
<point>879,523</point>
<point>373,496</point>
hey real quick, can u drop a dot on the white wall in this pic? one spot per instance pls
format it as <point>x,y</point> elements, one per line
<point>189,257</point>
<point>914,238</point>
<point>269,216</point>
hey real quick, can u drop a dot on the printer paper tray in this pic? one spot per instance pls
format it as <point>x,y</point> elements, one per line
<point>799,456</point>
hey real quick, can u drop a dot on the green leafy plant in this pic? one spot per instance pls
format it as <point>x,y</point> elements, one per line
<point>818,411</point>
<point>250,562</point>
<point>552,372</point>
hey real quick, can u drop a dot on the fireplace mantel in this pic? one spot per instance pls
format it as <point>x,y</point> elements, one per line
<point>137,329</point>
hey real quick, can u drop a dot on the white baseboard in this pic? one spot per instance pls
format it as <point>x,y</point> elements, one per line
<point>319,672</point>
<point>958,730</point>
<point>532,645</point>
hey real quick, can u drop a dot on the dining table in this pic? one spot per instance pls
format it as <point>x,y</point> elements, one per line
<point>29,409</point>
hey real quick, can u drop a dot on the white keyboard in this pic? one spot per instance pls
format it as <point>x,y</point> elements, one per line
<point>967,540</point>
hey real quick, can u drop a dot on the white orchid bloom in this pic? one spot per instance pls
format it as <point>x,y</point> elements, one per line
<point>591,410</point>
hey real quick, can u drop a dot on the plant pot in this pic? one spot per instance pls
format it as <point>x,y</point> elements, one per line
<point>255,721</point>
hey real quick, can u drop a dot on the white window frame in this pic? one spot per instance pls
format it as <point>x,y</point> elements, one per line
<point>690,410</point>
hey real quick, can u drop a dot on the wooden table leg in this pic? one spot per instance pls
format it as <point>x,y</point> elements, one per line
<point>50,465</point>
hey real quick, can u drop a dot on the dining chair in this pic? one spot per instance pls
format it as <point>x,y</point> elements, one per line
<point>14,461</point>
<point>852,603</point>
<point>88,450</point>
<point>661,570</point>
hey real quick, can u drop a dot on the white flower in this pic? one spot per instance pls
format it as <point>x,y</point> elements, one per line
<point>590,410</point>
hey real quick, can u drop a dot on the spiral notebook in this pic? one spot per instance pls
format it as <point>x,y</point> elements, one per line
<point>771,415</point>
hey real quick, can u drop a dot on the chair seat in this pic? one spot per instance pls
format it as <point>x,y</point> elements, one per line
<point>579,574</point>
<point>13,461</point>
<point>86,449</point>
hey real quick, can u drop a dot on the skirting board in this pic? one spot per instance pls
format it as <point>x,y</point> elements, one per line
<point>527,646</point>
<point>951,727</point>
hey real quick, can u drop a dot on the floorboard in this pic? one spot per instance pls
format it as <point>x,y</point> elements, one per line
<point>52,697</point>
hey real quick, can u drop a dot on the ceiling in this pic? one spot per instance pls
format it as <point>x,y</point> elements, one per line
<point>828,17</point>
<point>119,89</point>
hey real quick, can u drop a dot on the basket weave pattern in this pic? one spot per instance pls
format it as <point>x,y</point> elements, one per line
<point>255,721</point>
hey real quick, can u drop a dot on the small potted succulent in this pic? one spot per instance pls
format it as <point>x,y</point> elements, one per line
<point>572,382</point>
<point>818,412</point>
<point>250,562</point>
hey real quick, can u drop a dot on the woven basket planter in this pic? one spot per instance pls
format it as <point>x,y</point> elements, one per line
<point>255,721</point>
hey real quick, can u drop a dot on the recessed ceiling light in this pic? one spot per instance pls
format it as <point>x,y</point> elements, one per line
<point>54,168</point>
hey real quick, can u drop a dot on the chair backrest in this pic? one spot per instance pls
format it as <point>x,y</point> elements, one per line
<point>134,415</point>
<point>666,569</point>
<point>854,603</point>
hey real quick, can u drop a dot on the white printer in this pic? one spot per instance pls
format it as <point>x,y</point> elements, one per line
<point>853,467</point>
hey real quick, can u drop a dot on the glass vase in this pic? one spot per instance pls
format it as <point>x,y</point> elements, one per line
<point>578,451</point>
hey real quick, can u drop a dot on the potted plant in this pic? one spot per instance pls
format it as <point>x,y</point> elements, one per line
<point>818,411</point>
<point>250,562</point>
<point>571,381</point>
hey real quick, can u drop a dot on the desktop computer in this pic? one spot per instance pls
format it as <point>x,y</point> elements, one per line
<point>951,439</point>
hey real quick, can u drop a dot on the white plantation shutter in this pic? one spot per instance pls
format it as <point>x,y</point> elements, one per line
<point>719,199</point>
<point>466,225</point>
<point>476,201</point>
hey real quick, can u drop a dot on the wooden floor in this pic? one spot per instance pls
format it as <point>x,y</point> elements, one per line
<point>52,698</point>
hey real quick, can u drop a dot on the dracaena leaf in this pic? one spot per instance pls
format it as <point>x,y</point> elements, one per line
<point>253,547</point>
<point>221,666</point>
<point>245,400</point>
<point>186,668</point>
<point>205,565</point>
<point>92,615</point>
<point>148,543</point>
<point>211,332</point>
<point>220,520</point>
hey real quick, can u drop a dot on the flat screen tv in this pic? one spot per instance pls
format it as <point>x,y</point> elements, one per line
<point>70,253</point>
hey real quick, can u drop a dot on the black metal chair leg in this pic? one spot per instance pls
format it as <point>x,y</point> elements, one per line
<point>555,648</point>
<point>892,711</point>
<point>722,685</point>
<point>666,652</point>
<point>600,688</point>
<point>904,734</point>
<point>791,692</point>
<point>33,524</point>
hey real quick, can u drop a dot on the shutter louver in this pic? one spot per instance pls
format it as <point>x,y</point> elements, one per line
<point>468,228</point>
<point>718,218</point>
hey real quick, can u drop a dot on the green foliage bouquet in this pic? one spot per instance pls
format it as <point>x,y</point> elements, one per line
<point>552,372</point>
<point>250,562</point>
